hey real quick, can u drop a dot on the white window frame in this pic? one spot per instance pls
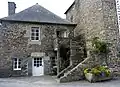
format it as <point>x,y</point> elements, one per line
<point>34,33</point>
<point>17,64</point>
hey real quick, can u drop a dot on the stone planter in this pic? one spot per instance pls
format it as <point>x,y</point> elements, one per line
<point>92,78</point>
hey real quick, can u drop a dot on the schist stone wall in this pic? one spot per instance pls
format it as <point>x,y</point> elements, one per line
<point>97,18</point>
<point>94,18</point>
<point>15,43</point>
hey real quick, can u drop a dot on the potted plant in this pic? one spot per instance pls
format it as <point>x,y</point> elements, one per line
<point>98,73</point>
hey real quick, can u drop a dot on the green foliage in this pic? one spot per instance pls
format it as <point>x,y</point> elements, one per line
<point>87,71</point>
<point>99,46</point>
<point>98,71</point>
<point>95,71</point>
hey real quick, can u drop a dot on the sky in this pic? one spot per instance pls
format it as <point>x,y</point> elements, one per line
<point>56,6</point>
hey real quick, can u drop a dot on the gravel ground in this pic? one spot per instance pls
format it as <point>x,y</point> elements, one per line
<point>48,81</point>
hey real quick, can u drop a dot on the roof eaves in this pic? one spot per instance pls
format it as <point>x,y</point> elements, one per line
<point>35,22</point>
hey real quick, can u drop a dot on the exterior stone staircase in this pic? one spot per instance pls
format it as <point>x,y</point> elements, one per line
<point>76,73</point>
<point>79,61</point>
<point>62,73</point>
<point>73,72</point>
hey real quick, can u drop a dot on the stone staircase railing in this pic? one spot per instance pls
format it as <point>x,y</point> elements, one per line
<point>77,57</point>
<point>76,73</point>
<point>64,71</point>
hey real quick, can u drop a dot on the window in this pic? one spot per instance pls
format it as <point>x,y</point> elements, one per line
<point>16,64</point>
<point>37,62</point>
<point>65,34</point>
<point>35,33</point>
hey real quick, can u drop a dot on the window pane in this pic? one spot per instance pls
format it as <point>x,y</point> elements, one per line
<point>35,65</point>
<point>37,38</point>
<point>41,59</point>
<point>32,38</point>
<point>15,63</point>
<point>19,63</point>
<point>38,62</point>
<point>15,59</point>
<point>35,59</point>
<point>38,65</point>
<point>37,34</point>
<point>15,66</point>
<point>32,30</point>
<point>37,30</point>
<point>19,66</point>
<point>32,34</point>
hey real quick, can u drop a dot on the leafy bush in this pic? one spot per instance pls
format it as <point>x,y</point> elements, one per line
<point>95,71</point>
<point>99,46</point>
<point>98,71</point>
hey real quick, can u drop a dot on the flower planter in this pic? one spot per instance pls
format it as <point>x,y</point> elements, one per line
<point>92,78</point>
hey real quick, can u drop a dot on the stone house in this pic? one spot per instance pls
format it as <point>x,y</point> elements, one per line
<point>29,41</point>
<point>67,43</point>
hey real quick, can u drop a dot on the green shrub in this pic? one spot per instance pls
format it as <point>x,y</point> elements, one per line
<point>99,46</point>
<point>87,71</point>
<point>98,71</point>
<point>95,71</point>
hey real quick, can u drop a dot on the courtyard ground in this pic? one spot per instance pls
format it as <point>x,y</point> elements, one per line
<point>48,81</point>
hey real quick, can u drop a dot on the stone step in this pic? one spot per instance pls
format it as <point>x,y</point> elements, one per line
<point>56,79</point>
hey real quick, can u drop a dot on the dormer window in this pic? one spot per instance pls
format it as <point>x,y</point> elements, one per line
<point>35,34</point>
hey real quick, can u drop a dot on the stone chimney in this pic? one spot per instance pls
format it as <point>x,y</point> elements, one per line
<point>11,8</point>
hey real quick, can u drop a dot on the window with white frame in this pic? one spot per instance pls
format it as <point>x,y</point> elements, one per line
<point>65,34</point>
<point>16,64</point>
<point>35,33</point>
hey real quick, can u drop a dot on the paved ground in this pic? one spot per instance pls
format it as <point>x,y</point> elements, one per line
<point>48,81</point>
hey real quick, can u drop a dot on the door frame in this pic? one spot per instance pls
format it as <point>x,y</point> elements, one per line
<point>33,67</point>
<point>37,55</point>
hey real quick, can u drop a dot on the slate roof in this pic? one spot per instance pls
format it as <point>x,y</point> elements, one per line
<point>36,13</point>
